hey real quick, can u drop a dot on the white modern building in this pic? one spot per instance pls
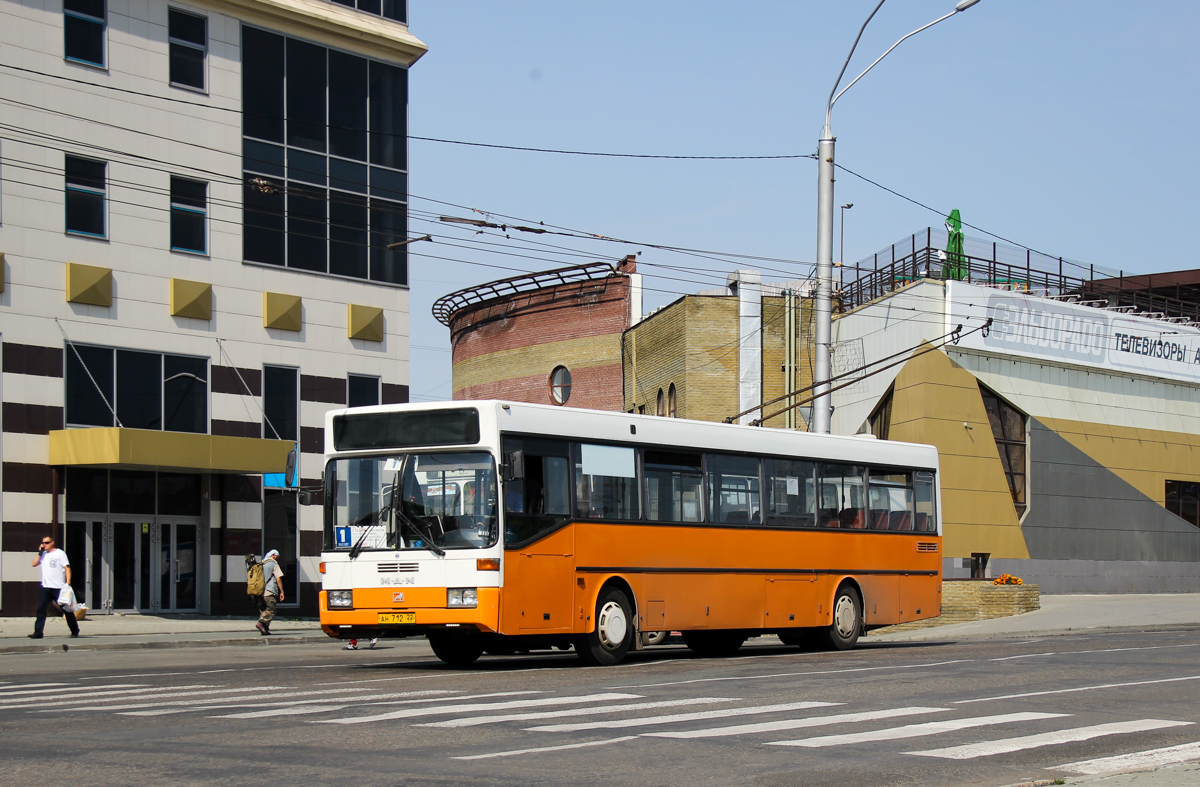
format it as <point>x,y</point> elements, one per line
<point>199,206</point>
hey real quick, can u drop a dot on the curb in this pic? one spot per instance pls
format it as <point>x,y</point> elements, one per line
<point>170,644</point>
<point>958,636</point>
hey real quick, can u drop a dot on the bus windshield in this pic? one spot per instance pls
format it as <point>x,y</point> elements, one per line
<point>428,501</point>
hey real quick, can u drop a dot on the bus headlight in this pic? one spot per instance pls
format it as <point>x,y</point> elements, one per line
<point>462,597</point>
<point>343,599</point>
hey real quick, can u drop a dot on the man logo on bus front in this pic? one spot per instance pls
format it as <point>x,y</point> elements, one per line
<point>397,597</point>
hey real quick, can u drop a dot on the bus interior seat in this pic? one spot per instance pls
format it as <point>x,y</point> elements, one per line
<point>902,520</point>
<point>853,518</point>
<point>879,519</point>
<point>922,522</point>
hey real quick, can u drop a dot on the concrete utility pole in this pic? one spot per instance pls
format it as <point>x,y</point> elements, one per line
<point>825,205</point>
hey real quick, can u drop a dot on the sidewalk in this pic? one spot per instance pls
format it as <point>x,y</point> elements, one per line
<point>1065,615</point>
<point>135,632</point>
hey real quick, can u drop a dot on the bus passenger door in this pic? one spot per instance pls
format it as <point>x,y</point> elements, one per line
<point>790,601</point>
<point>545,584</point>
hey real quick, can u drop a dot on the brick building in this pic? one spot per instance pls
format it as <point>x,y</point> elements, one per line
<point>549,337</point>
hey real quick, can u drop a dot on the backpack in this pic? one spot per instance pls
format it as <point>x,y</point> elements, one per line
<point>256,584</point>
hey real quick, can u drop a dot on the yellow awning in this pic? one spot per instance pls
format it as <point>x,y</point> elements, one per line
<point>147,449</point>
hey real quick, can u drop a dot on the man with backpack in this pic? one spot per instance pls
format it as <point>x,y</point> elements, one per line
<point>262,583</point>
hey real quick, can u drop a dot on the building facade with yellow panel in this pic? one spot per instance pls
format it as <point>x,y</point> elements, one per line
<point>187,289</point>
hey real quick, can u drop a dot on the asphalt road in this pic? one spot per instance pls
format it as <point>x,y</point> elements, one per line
<point>995,712</point>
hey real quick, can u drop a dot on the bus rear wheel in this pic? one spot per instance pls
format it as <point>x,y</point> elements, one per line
<point>608,643</point>
<point>713,643</point>
<point>457,650</point>
<point>843,633</point>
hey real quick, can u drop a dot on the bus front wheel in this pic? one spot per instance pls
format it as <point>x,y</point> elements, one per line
<point>843,633</point>
<point>608,643</point>
<point>457,650</point>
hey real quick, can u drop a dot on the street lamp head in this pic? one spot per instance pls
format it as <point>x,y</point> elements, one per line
<point>963,5</point>
<point>848,205</point>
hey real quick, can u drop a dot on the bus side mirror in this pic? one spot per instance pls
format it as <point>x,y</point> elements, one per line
<point>514,466</point>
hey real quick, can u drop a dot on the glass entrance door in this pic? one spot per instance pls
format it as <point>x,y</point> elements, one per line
<point>174,545</point>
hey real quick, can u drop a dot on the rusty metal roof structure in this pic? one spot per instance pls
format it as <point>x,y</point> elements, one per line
<point>447,306</point>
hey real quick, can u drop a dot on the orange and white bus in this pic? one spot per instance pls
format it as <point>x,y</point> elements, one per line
<point>501,527</point>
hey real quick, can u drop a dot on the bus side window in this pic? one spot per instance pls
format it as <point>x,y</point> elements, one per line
<point>925,520</point>
<point>891,500</point>
<point>540,500</point>
<point>843,495</point>
<point>606,483</point>
<point>733,489</point>
<point>791,498</point>
<point>673,481</point>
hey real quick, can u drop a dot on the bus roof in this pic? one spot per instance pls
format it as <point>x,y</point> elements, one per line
<point>608,426</point>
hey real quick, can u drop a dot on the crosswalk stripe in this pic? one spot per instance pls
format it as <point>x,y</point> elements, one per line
<point>350,702</point>
<point>449,709</point>
<point>1140,760</point>
<point>1076,689</point>
<point>916,730</point>
<point>792,724</point>
<point>84,698</point>
<point>28,695</point>
<point>972,750</point>
<point>304,707</point>
<point>674,717</point>
<point>278,692</point>
<point>472,721</point>
<point>5,690</point>
<point>805,674</point>
<point>546,748</point>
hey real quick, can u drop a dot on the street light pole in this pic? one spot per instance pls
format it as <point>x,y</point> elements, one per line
<point>825,163</point>
<point>842,250</point>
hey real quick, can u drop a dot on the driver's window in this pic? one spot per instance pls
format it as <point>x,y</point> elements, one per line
<point>539,501</point>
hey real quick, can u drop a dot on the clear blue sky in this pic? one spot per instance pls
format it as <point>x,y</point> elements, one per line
<point>1069,126</point>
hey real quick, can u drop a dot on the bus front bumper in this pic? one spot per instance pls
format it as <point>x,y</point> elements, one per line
<point>384,612</point>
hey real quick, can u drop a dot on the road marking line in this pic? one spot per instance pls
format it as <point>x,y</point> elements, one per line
<point>350,702</point>
<point>6,694</point>
<point>448,709</point>
<point>1141,760</point>
<point>304,707</point>
<point>1080,688</point>
<point>371,680</point>
<point>792,724</point>
<point>105,696</point>
<point>472,721</point>
<point>135,675</point>
<point>794,674</point>
<point>972,750</point>
<point>268,693</point>
<point>674,717</point>
<point>1026,656</point>
<point>5,691</point>
<point>916,730</point>
<point>546,748</point>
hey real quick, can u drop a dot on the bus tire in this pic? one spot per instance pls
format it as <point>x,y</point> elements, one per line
<point>654,637</point>
<point>455,649</point>
<point>608,643</point>
<point>713,643</point>
<point>843,633</point>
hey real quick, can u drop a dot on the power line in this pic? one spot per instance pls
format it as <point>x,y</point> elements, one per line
<point>612,155</point>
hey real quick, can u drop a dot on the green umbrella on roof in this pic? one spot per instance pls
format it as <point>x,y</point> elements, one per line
<point>956,261</point>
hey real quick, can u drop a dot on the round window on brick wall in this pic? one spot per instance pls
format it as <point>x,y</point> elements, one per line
<point>560,385</point>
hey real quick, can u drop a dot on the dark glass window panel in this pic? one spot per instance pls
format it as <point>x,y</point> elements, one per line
<point>305,95</point>
<point>280,532</point>
<point>396,9</point>
<point>139,389</point>
<point>187,230</point>
<point>124,565</point>
<point>187,66</point>
<point>83,40</point>
<point>85,212</point>
<point>87,489</point>
<point>347,175</point>
<point>790,493</point>
<point>262,84</point>
<point>261,157</point>
<point>992,405</point>
<point>841,497</point>
<point>191,193</point>
<point>389,224</point>
<point>348,253</point>
<point>345,2</point>
<point>733,489</point>
<point>131,492</point>
<point>90,7</point>
<point>308,167</point>
<point>307,248</point>
<point>187,27</point>
<point>458,426</point>
<point>347,106</point>
<point>363,391</point>
<point>262,231</point>
<point>185,394</point>
<point>84,172</point>
<point>179,494</point>
<point>672,483</point>
<point>1014,423</point>
<point>87,406</point>
<point>279,402</point>
<point>389,112</point>
<point>1016,482</point>
<point>389,184</point>
<point>370,6</point>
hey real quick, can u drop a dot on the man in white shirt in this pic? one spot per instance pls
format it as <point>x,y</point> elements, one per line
<point>56,574</point>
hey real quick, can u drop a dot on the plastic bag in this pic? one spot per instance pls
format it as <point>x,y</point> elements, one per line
<point>66,599</point>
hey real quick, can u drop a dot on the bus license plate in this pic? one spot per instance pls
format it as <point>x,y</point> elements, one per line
<point>397,617</point>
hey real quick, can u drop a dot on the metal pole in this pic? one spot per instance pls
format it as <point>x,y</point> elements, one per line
<point>822,365</point>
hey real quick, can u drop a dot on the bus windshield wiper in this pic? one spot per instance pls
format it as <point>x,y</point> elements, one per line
<point>359,545</point>
<point>425,534</point>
